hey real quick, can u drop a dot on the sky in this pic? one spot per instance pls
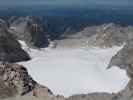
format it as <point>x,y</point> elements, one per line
<point>67,2</point>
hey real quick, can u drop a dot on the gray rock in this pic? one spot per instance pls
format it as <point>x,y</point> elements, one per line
<point>106,35</point>
<point>29,29</point>
<point>15,81</point>
<point>123,58</point>
<point>10,49</point>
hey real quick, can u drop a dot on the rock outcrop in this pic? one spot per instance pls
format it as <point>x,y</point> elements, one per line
<point>29,29</point>
<point>10,49</point>
<point>15,81</point>
<point>123,59</point>
<point>105,35</point>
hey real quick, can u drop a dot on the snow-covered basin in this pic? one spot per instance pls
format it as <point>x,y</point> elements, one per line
<point>76,70</point>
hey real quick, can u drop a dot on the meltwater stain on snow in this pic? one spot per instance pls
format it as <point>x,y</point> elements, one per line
<point>76,71</point>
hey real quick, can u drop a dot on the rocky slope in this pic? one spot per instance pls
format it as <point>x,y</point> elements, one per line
<point>10,49</point>
<point>15,81</point>
<point>105,35</point>
<point>123,58</point>
<point>29,29</point>
<point>108,35</point>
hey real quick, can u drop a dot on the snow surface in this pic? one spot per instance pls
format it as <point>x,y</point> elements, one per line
<point>76,71</point>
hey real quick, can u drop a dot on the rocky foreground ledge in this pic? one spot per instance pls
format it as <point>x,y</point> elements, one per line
<point>15,81</point>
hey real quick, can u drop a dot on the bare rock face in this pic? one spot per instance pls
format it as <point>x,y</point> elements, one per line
<point>29,29</point>
<point>10,49</point>
<point>15,81</point>
<point>6,91</point>
<point>123,59</point>
<point>108,35</point>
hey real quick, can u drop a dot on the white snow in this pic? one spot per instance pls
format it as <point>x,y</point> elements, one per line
<point>23,44</point>
<point>76,71</point>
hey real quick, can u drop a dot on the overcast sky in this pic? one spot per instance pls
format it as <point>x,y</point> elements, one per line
<point>67,2</point>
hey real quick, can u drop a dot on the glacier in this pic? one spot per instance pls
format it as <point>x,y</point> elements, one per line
<point>69,71</point>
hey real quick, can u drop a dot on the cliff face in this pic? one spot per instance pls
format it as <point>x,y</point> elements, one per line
<point>105,35</point>
<point>29,29</point>
<point>10,49</point>
<point>123,59</point>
